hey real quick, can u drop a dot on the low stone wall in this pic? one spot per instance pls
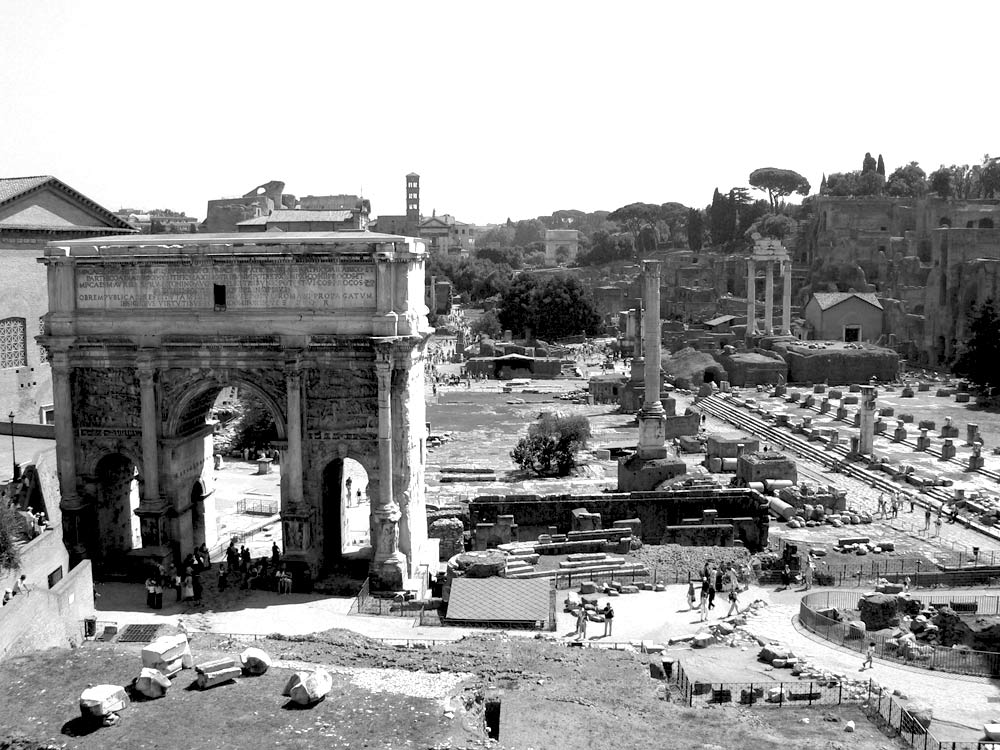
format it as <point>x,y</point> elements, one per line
<point>41,557</point>
<point>47,618</point>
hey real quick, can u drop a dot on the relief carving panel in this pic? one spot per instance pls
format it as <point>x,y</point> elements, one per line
<point>106,401</point>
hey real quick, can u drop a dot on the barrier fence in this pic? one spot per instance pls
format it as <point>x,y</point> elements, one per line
<point>942,658</point>
<point>878,704</point>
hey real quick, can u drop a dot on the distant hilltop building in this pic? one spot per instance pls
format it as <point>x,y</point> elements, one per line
<point>444,233</point>
<point>268,208</point>
<point>158,222</point>
<point>34,211</point>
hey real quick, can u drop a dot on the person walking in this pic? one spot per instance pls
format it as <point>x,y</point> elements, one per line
<point>223,577</point>
<point>937,526</point>
<point>703,607</point>
<point>734,603</point>
<point>786,577</point>
<point>711,591</point>
<point>881,505</point>
<point>870,655</point>
<point>609,619</point>
<point>187,586</point>
<point>807,573</point>
<point>581,623</point>
<point>691,595</point>
<point>927,519</point>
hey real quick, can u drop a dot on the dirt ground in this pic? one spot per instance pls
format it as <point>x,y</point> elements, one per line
<point>550,697</point>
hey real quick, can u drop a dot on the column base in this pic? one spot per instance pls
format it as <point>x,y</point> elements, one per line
<point>390,574</point>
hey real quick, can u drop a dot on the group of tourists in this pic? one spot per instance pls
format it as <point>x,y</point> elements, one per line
<point>20,587</point>
<point>264,573</point>
<point>583,616</point>
<point>725,579</point>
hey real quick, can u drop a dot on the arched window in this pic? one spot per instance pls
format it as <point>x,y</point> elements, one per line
<point>13,343</point>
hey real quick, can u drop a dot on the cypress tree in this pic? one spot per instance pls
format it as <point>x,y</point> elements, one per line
<point>881,166</point>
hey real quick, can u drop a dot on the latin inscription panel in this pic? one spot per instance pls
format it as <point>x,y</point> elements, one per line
<point>247,286</point>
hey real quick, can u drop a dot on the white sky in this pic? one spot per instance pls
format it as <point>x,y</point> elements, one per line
<point>503,108</point>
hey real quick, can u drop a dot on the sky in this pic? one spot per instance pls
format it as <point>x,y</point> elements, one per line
<point>505,109</point>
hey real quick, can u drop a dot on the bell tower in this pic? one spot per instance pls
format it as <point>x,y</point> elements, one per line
<point>413,198</point>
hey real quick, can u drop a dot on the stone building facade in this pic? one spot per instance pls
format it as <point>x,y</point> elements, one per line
<point>327,329</point>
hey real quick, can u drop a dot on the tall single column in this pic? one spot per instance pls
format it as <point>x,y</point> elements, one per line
<point>867,419</point>
<point>62,403</point>
<point>292,462</point>
<point>388,563</point>
<point>769,299</point>
<point>751,298</point>
<point>652,419</point>
<point>786,298</point>
<point>150,445</point>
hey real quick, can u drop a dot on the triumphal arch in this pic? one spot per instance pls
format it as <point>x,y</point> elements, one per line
<point>328,330</point>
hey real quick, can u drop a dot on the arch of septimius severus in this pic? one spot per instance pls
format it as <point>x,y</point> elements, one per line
<point>327,329</point>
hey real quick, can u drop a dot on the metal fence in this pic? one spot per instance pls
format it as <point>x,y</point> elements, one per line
<point>365,603</point>
<point>765,694</point>
<point>941,658</point>
<point>257,507</point>
<point>878,704</point>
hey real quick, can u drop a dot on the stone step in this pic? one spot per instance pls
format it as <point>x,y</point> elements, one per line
<point>583,556</point>
<point>627,570</point>
<point>569,565</point>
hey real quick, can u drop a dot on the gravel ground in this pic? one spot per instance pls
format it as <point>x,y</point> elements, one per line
<point>672,562</point>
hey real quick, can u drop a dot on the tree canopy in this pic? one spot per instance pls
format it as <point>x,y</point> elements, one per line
<point>634,218</point>
<point>848,184</point>
<point>552,307</point>
<point>978,357</point>
<point>909,181</point>
<point>551,445</point>
<point>778,183</point>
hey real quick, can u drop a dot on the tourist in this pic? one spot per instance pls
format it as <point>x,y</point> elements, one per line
<point>179,586</point>
<point>937,525</point>
<point>953,515</point>
<point>786,577</point>
<point>691,596</point>
<point>8,594</point>
<point>275,554</point>
<point>913,503</point>
<point>232,555</point>
<point>711,590</point>
<point>244,558</point>
<point>895,505</point>
<point>734,603</point>
<point>284,582</point>
<point>21,585</point>
<point>867,663</point>
<point>881,505</point>
<point>196,586</point>
<point>927,519</point>
<point>223,578</point>
<point>206,559</point>
<point>703,607</point>
<point>609,618</point>
<point>734,578</point>
<point>187,586</point>
<point>807,573</point>
<point>150,600</point>
<point>581,623</point>
<point>158,592</point>
<point>906,584</point>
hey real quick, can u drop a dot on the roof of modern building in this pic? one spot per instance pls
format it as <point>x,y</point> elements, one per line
<point>499,600</point>
<point>826,300</point>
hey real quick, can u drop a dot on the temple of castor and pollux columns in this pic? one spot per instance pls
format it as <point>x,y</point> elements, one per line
<point>328,330</point>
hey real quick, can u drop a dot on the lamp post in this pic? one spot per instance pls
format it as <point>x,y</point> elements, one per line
<point>12,451</point>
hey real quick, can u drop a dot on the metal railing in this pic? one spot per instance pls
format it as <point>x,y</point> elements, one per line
<point>878,704</point>
<point>941,658</point>
<point>257,507</point>
<point>365,603</point>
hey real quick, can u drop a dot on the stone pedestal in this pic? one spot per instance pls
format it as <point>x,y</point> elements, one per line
<point>824,406</point>
<point>976,459</point>
<point>779,391</point>
<point>899,434</point>
<point>972,434</point>
<point>809,401</point>
<point>841,412</point>
<point>947,450</point>
<point>923,441</point>
<point>948,430</point>
<point>879,426</point>
<point>264,465</point>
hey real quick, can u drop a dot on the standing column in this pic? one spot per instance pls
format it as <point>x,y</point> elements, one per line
<point>62,402</point>
<point>388,563</point>
<point>786,298</point>
<point>652,420</point>
<point>651,335</point>
<point>769,299</point>
<point>150,445</point>
<point>751,298</point>
<point>292,463</point>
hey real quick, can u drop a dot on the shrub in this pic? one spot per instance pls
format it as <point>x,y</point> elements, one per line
<point>551,445</point>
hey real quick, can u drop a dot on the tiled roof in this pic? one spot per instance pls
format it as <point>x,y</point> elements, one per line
<point>499,600</point>
<point>826,300</point>
<point>12,186</point>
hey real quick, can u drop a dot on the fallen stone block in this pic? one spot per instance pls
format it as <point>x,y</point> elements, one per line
<point>255,661</point>
<point>101,700</point>
<point>702,640</point>
<point>152,683</point>
<point>226,662</point>
<point>775,695</point>
<point>629,589</point>
<point>588,587</point>
<point>771,652</point>
<point>306,688</point>
<point>168,654</point>
<point>210,679</point>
